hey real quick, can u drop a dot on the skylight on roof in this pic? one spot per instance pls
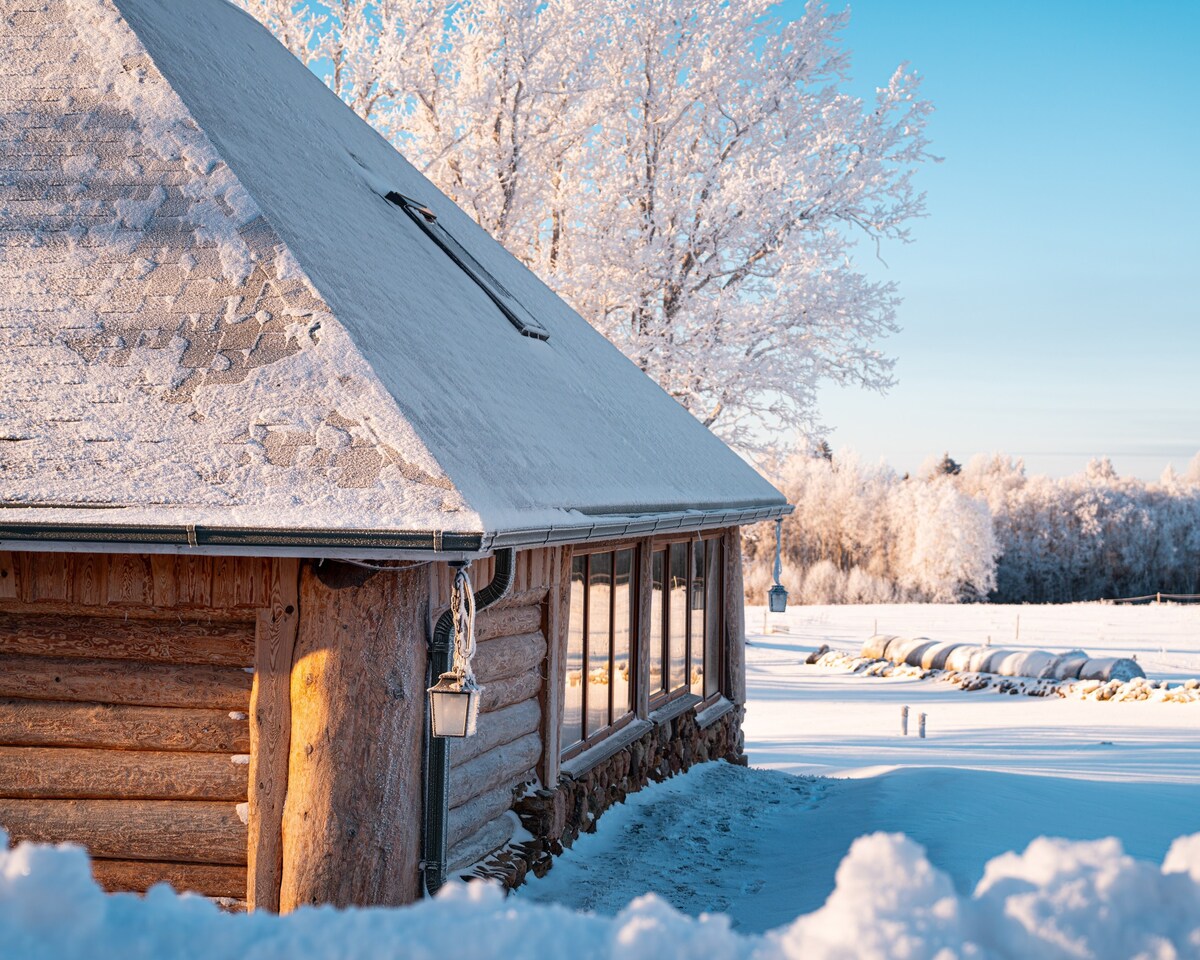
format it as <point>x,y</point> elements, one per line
<point>509,305</point>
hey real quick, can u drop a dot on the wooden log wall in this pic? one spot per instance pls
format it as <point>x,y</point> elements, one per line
<point>512,662</point>
<point>125,689</point>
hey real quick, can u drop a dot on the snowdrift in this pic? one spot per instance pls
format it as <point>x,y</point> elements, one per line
<point>1056,900</point>
<point>973,658</point>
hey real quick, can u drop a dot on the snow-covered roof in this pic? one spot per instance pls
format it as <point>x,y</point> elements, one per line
<point>212,317</point>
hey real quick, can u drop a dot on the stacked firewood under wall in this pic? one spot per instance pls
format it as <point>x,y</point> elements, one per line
<point>503,756</point>
<point>124,692</point>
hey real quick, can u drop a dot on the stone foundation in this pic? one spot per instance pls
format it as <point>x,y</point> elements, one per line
<point>557,817</point>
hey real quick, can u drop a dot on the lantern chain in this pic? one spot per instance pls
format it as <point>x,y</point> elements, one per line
<point>462,602</point>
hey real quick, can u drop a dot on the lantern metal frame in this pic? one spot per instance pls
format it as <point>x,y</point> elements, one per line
<point>453,707</point>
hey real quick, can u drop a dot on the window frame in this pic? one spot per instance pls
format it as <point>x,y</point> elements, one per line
<point>645,701</point>
<point>615,724</point>
<point>667,694</point>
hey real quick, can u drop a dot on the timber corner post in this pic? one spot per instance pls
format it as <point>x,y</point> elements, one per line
<point>270,735</point>
<point>351,823</point>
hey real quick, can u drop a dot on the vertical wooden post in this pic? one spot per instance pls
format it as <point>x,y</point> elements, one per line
<point>554,624</point>
<point>352,819</point>
<point>735,618</point>
<point>645,590</point>
<point>270,733</point>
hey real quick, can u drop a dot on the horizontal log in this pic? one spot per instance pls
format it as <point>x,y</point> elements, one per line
<point>190,831</point>
<point>507,657</point>
<point>226,644</point>
<point>138,876</point>
<point>497,728</point>
<point>116,681</point>
<point>487,839</point>
<point>508,622</point>
<point>505,765</point>
<point>56,723</point>
<point>518,598</point>
<point>473,814</point>
<point>68,773</point>
<point>504,693</point>
<point>206,613</point>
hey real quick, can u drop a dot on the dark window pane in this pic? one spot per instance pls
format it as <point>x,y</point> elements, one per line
<point>572,730</point>
<point>713,624</point>
<point>622,634</point>
<point>599,622</point>
<point>657,677</point>
<point>697,604</point>
<point>679,615</point>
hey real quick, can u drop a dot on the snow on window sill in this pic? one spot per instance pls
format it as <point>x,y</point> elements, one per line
<point>581,764</point>
<point>669,711</point>
<point>712,713</point>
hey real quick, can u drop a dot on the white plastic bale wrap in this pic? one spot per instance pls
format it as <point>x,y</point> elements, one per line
<point>972,658</point>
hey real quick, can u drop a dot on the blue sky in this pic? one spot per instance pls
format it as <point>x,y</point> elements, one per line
<point>1051,303</point>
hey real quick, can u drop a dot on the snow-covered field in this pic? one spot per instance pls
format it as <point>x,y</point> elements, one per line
<point>994,772</point>
<point>802,856</point>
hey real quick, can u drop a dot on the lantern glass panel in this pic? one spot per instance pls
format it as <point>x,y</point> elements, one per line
<point>453,712</point>
<point>777,598</point>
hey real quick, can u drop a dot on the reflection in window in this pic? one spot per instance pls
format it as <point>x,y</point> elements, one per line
<point>690,621</point>
<point>697,594</point>
<point>623,614</point>
<point>712,625</point>
<point>678,615</point>
<point>599,687</point>
<point>600,669</point>
<point>682,642</point>
<point>572,730</point>
<point>657,633</point>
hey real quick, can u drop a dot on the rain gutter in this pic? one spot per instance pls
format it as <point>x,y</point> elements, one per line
<point>265,541</point>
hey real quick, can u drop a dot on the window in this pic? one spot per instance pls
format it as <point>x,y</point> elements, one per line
<point>685,619</point>
<point>600,668</point>
<point>678,630</point>
<point>509,305</point>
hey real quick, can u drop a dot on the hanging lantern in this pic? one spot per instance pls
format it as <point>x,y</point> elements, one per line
<point>453,707</point>
<point>777,595</point>
<point>454,699</point>
<point>777,598</point>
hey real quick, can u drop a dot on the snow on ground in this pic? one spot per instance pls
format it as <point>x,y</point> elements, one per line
<point>995,772</point>
<point>782,863</point>
<point>1056,900</point>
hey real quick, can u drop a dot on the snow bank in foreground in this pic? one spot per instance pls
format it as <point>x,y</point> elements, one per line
<point>1057,899</point>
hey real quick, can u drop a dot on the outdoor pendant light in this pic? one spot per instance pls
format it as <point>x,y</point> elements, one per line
<point>453,706</point>
<point>454,699</point>
<point>777,595</point>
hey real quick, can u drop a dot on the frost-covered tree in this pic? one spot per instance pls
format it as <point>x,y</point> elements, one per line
<point>693,178</point>
<point>987,532</point>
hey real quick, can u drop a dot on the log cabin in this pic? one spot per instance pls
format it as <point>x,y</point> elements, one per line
<point>263,390</point>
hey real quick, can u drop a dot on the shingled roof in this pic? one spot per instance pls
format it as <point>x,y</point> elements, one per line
<point>215,325</point>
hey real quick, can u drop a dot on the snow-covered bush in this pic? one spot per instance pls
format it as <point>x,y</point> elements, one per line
<point>824,583</point>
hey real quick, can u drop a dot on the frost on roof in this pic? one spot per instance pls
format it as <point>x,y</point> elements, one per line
<point>160,347</point>
<point>210,312</point>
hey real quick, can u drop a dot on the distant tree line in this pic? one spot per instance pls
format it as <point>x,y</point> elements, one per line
<point>981,532</point>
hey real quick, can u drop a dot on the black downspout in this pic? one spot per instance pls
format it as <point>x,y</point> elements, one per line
<point>437,749</point>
